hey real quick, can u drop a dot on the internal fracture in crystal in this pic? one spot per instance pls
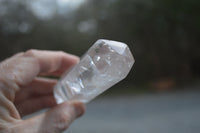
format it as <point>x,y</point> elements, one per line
<point>103,65</point>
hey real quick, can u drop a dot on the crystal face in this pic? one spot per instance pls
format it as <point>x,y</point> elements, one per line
<point>103,65</point>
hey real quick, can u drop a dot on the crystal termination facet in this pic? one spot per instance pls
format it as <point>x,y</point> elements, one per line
<point>103,65</point>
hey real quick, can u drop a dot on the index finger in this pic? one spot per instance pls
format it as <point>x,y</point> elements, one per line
<point>23,68</point>
<point>52,62</point>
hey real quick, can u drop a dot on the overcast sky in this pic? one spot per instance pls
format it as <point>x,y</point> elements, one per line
<point>45,9</point>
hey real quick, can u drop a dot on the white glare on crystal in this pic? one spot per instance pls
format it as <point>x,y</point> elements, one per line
<point>105,64</point>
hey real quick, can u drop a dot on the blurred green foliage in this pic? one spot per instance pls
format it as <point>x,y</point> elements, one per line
<point>163,35</point>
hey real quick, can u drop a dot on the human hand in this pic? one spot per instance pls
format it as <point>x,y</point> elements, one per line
<point>22,92</point>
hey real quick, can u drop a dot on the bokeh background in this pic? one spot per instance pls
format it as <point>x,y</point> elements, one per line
<point>161,93</point>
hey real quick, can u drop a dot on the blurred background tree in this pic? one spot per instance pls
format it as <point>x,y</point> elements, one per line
<point>163,35</point>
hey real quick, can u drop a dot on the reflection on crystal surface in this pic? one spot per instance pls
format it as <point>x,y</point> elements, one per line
<point>105,64</point>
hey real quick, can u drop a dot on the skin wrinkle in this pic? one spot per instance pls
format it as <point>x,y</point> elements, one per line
<point>37,88</point>
<point>13,69</point>
<point>46,101</point>
<point>8,105</point>
<point>30,61</point>
<point>34,54</point>
<point>22,91</point>
<point>12,72</point>
<point>4,114</point>
<point>9,93</point>
<point>63,118</point>
<point>8,73</point>
<point>13,128</point>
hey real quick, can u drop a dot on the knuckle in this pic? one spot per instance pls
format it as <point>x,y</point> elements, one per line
<point>61,52</point>
<point>31,52</point>
<point>6,129</point>
<point>63,120</point>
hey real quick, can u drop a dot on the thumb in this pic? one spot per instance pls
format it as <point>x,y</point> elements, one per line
<point>56,119</point>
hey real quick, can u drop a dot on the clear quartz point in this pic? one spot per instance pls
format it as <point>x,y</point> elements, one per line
<point>103,65</point>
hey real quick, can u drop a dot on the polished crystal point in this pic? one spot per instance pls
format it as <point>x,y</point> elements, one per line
<point>103,65</point>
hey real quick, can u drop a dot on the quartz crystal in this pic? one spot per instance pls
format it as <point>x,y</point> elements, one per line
<point>103,65</point>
